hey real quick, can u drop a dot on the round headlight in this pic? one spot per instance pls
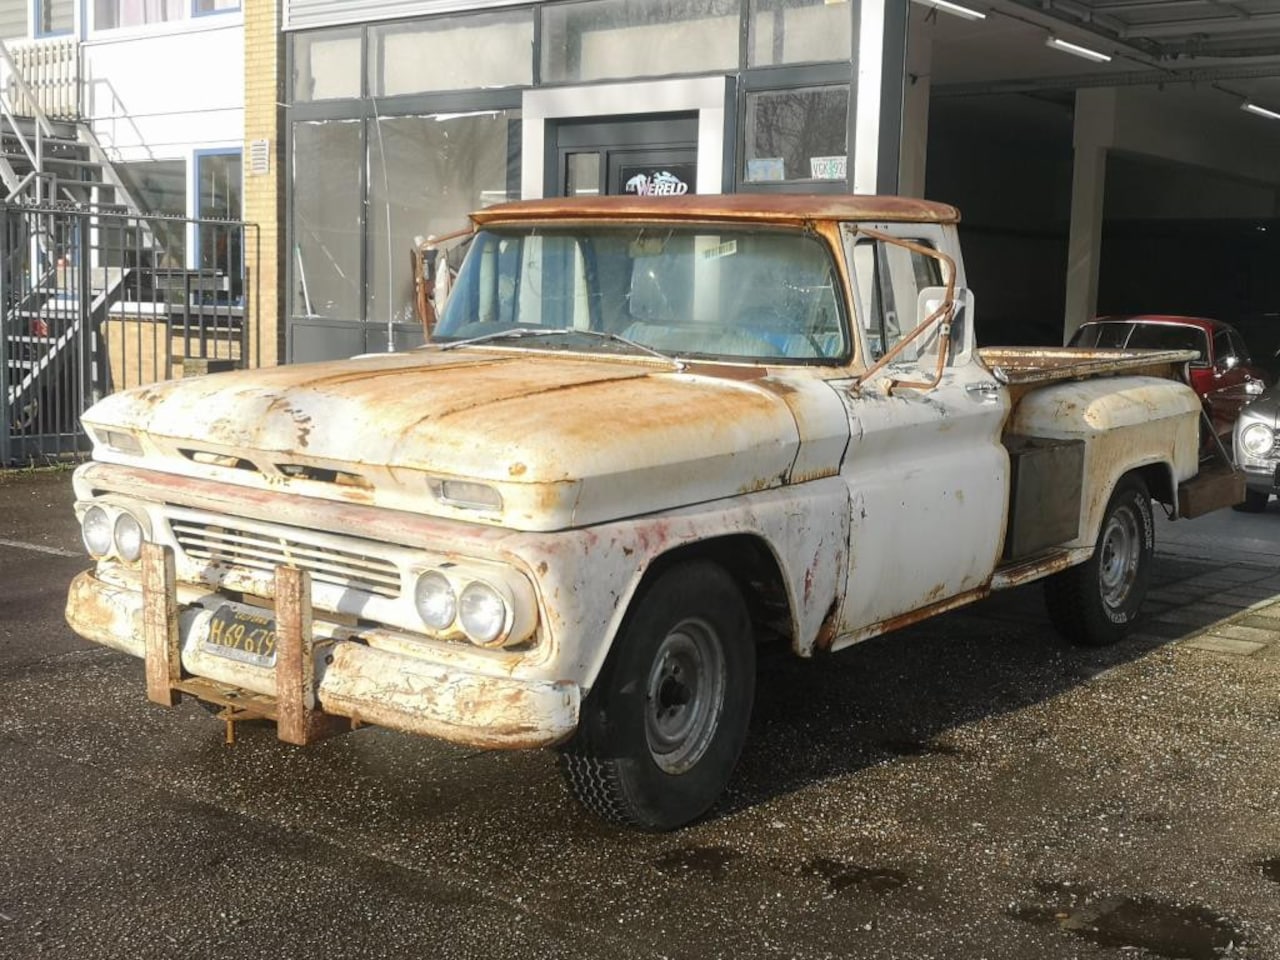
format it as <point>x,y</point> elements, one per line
<point>128,537</point>
<point>96,530</point>
<point>1257,439</point>
<point>437,605</point>
<point>482,613</point>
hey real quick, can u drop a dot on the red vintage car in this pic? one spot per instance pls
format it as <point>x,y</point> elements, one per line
<point>1225,376</point>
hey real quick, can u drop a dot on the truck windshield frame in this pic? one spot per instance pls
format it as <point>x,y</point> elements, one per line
<point>719,292</point>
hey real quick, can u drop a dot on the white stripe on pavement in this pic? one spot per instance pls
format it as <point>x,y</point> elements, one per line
<point>38,548</point>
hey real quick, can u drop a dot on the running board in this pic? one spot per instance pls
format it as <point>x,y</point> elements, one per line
<point>1039,566</point>
<point>1211,489</point>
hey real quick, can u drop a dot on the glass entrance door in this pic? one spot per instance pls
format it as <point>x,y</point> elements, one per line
<point>647,156</point>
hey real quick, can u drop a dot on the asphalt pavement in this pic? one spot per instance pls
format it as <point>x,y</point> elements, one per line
<point>969,787</point>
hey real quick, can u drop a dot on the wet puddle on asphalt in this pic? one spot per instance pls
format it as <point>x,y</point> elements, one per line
<point>1271,869</point>
<point>844,876</point>
<point>1162,929</point>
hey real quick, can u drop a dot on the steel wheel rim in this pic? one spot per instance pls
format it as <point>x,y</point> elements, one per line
<point>1121,550</point>
<point>684,695</point>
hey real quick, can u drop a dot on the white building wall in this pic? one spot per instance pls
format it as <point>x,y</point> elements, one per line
<point>166,93</point>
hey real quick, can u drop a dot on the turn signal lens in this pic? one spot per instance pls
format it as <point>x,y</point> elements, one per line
<point>128,537</point>
<point>437,605</point>
<point>470,496</point>
<point>1257,439</point>
<point>482,613</point>
<point>96,530</point>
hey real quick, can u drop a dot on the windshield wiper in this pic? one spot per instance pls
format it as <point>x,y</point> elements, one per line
<point>517,333</point>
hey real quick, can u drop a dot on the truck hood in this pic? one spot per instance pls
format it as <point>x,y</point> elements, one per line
<point>519,439</point>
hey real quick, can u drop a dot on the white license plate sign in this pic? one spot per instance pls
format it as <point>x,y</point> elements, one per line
<point>237,634</point>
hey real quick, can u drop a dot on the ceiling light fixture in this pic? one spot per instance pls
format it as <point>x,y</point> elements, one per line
<point>1076,50</point>
<point>1260,111</point>
<point>953,8</point>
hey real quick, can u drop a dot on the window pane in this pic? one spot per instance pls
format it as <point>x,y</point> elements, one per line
<point>326,65</point>
<point>216,6</point>
<point>426,175</point>
<point>160,187</point>
<point>220,199</point>
<point>800,31</point>
<point>55,17</point>
<point>797,134</point>
<point>326,218</point>
<point>890,279</point>
<point>108,14</point>
<point>454,54</point>
<point>638,38</point>
<point>582,174</point>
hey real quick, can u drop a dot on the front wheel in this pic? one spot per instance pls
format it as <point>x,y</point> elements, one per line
<point>1255,501</point>
<point>1095,603</point>
<point>664,724</point>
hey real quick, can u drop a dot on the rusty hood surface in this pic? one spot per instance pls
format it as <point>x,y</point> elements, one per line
<point>562,440</point>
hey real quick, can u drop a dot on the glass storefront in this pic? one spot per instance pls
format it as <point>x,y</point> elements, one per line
<point>400,128</point>
<point>614,39</point>
<point>426,175</point>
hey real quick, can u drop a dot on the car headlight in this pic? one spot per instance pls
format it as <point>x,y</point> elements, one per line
<point>1257,439</point>
<point>482,611</point>
<point>95,528</point>
<point>435,599</point>
<point>128,537</point>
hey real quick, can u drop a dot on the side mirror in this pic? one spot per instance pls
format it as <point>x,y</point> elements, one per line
<point>929,300</point>
<point>1225,365</point>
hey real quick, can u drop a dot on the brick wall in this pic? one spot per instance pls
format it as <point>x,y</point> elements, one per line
<point>264,193</point>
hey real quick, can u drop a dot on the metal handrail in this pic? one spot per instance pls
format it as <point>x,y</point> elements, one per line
<point>43,127</point>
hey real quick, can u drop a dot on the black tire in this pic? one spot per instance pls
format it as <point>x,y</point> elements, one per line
<point>1094,603</point>
<point>1255,501</point>
<point>662,728</point>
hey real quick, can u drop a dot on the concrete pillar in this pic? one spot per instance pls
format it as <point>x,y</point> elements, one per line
<point>264,192</point>
<point>915,104</point>
<point>1094,134</point>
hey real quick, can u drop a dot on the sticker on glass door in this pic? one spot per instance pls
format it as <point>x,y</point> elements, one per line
<point>672,180</point>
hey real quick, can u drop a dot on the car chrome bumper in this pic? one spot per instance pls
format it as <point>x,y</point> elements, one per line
<point>1263,478</point>
<point>315,677</point>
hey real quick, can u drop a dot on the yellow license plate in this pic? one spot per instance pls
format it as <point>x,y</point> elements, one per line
<point>239,635</point>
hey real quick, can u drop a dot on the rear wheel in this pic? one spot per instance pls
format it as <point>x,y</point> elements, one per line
<point>1096,602</point>
<point>1255,501</point>
<point>662,729</point>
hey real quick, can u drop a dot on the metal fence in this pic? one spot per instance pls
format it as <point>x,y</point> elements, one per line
<point>95,301</point>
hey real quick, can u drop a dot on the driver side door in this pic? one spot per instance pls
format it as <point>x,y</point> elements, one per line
<point>926,472</point>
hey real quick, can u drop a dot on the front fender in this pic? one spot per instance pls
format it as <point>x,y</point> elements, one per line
<point>588,578</point>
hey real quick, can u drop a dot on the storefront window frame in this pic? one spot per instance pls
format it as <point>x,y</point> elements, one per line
<point>743,80</point>
<point>782,80</point>
<point>364,109</point>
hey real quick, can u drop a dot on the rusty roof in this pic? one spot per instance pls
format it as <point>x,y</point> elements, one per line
<point>769,208</point>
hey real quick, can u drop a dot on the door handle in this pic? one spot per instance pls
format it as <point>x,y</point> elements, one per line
<point>987,390</point>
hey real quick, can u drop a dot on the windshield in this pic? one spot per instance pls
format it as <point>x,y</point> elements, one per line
<point>698,291</point>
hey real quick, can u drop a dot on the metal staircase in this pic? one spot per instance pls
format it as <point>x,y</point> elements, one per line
<point>90,301</point>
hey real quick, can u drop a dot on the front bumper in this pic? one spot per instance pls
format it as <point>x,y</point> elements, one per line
<point>1265,478</point>
<point>325,671</point>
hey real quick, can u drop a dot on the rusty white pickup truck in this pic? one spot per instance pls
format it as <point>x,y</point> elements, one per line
<point>647,437</point>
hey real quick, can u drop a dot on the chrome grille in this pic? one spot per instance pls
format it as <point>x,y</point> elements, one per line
<point>224,545</point>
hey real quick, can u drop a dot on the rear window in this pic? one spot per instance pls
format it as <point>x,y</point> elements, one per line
<point>1109,335</point>
<point>1167,337</point>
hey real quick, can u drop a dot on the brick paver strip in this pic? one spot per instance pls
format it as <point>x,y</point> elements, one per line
<point>1238,631</point>
<point>1271,623</point>
<point>1242,648</point>
<point>1201,614</point>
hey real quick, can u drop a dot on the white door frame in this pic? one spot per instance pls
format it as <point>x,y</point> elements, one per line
<point>704,95</point>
